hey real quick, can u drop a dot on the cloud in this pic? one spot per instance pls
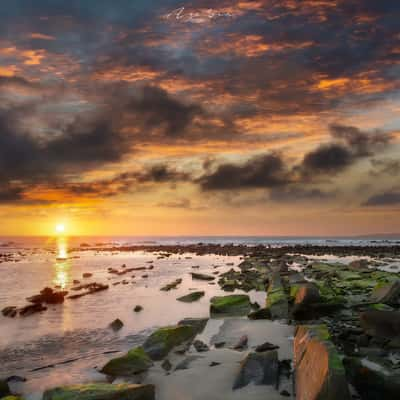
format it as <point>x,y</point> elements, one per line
<point>263,171</point>
<point>272,170</point>
<point>391,198</point>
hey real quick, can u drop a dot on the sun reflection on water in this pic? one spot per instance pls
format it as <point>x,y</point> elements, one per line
<point>62,265</point>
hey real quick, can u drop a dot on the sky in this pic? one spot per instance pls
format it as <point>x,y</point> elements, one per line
<point>213,117</point>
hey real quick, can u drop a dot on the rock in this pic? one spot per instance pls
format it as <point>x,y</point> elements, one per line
<point>87,275</point>
<point>277,302</point>
<point>10,311</point>
<point>198,324</point>
<point>11,397</point>
<point>381,324</point>
<point>202,277</point>
<point>235,304</point>
<point>138,308</point>
<point>200,346</point>
<point>101,391</point>
<point>166,365</point>
<point>193,296</point>
<point>262,313</point>
<point>214,364</point>
<point>132,363</point>
<point>163,340</point>
<point>31,309</point>
<point>266,347</point>
<point>285,393</point>
<point>320,374</point>
<point>116,325</point>
<point>218,345</point>
<point>172,285</point>
<point>372,379</point>
<point>387,293</point>
<point>242,343</point>
<point>359,265</point>
<point>4,389</point>
<point>259,368</point>
<point>49,296</point>
<point>306,296</point>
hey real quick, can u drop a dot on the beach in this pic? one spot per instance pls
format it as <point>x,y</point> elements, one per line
<point>69,342</point>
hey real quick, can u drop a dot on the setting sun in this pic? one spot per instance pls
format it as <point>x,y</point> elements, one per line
<point>60,228</point>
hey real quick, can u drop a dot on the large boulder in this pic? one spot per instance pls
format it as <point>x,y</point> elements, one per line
<point>382,324</point>
<point>307,295</point>
<point>4,389</point>
<point>277,301</point>
<point>163,340</point>
<point>320,374</point>
<point>372,379</point>
<point>388,293</point>
<point>101,391</point>
<point>258,368</point>
<point>235,304</point>
<point>132,363</point>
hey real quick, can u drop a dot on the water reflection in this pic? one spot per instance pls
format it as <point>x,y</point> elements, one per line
<point>62,265</point>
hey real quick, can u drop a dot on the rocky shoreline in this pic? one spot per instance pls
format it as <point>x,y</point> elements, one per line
<point>345,320</point>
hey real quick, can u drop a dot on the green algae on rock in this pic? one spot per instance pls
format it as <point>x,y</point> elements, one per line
<point>163,340</point>
<point>235,304</point>
<point>277,301</point>
<point>101,391</point>
<point>134,362</point>
<point>189,298</point>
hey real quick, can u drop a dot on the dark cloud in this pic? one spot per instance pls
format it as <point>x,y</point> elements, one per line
<point>274,171</point>
<point>391,198</point>
<point>263,171</point>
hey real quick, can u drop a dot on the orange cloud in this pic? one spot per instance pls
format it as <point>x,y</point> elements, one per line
<point>8,71</point>
<point>41,36</point>
<point>127,74</point>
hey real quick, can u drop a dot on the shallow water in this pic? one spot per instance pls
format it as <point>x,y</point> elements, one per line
<point>71,338</point>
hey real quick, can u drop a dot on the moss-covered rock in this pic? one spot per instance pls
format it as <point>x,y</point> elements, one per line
<point>134,362</point>
<point>4,389</point>
<point>163,340</point>
<point>388,293</point>
<point>235,304</point>
<point>262,313</point>
<point>101,391</point>
<point>277,301</point>
<point>320,374</point>
<point>193,296</point>
<point>198,324</point>
<point>11,397</point>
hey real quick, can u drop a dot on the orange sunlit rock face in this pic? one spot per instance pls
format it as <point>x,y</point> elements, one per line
<point>240,117</point>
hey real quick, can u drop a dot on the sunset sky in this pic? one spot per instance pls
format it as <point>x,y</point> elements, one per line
<point>164,117</point>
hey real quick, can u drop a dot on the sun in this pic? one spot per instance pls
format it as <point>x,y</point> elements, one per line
<point>60,228</point>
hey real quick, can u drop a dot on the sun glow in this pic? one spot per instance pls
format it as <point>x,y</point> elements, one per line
<point>60,228</point>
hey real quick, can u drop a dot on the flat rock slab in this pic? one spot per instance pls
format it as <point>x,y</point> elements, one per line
<point>258,368</point>
<point>320,374</point>
<point>235,304</point>
<point>101,391</point>
<point>383,324</point>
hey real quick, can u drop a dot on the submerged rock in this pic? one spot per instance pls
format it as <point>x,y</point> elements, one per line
<point>235,304</point>
<point>116,325</point>
<point>194,296</point>
<point>138,308</point>
<point>10,311</point>
<point>320,374</point>
<point>32,309</point>
<point>372,379</point>
<point>132,363</point>
<point>172,285</point>
<point>202,277</point>
<point>381,324</point>
<point>258,368</point>
<point>163,340</point>
<point>101,391</point>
